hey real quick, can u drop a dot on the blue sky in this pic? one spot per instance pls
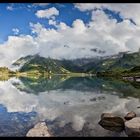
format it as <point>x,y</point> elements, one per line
<point>88,30</point>
<point>22,14</point>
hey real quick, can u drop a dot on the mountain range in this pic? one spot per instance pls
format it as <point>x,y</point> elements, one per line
<point>117,63</point>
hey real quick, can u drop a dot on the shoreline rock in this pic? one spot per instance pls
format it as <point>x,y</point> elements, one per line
<point>106,115</point>
<point>39,130</point>
<point>132,127</point>
<point>130,124</point>
<point>110,122</point>
<point>130,115</point>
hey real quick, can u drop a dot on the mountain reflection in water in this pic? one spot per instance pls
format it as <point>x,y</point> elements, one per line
<point>43,84</point>
<point>71,106</point>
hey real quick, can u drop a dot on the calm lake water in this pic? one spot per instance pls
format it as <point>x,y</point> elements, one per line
<point>70,107</point>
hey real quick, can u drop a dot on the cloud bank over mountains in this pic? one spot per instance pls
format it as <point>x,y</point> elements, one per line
<point>102,32</point>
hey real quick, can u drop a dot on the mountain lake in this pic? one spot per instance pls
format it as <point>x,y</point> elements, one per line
<point>69,106</point>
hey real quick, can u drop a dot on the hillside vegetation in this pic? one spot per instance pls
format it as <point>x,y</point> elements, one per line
<point>127,64</point>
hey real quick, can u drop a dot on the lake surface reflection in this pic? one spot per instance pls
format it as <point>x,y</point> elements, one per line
<point>70,106</point>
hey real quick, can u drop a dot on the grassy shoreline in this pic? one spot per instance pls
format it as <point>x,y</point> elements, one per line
<point>5,74</point>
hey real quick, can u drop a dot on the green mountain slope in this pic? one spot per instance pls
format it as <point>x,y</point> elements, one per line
<point>41,64</point>
<point>69,65</point>
<point>128,61</point>
<point>38,63</point>
<point>102,65</point>
<point>119,64</point>
<point>23,60</point>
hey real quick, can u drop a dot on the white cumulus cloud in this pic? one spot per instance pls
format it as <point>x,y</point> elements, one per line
<point>52,22</point>
<point>101,32</point>
<point>47,13</point>
<point>126,10</point>
<point>15,31</point>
